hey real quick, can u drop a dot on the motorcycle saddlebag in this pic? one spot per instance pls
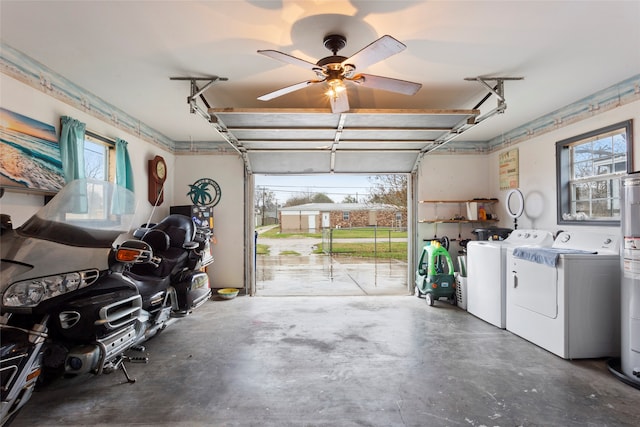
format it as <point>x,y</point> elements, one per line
<point>192,291</point>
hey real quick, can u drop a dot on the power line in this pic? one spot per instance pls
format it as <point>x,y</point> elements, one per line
<point>311,186</point>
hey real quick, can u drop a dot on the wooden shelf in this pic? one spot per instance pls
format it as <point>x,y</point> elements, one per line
<point>454,221</point>
<point>459,202</point>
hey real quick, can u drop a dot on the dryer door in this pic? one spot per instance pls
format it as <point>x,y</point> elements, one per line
<point>535,287</point>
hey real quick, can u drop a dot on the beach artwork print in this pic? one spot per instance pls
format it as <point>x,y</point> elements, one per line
<point>29,154</point>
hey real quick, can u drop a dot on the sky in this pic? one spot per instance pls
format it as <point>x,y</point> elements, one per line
<point>337,187</point>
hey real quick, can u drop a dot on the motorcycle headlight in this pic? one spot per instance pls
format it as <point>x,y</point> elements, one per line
<point>30,293</point>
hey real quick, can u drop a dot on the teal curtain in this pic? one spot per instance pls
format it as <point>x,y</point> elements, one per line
<point>124,172</point>
<point>72,148</point>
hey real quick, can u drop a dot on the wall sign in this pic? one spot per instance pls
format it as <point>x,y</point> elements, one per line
<point>509,170</point>
<point>205,192</point>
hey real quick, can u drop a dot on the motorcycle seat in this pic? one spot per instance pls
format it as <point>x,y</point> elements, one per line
<point>171,239</point>
<point>149,286</point>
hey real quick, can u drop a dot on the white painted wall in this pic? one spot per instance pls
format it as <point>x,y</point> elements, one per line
<point>227,170</point>
<point>537,161</point>
<point>450,177</point>
<point>229,227</point>
<point>22,99</point>
<point>459,177</point>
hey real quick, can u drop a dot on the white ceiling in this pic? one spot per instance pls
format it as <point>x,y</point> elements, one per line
<point>126,51</point>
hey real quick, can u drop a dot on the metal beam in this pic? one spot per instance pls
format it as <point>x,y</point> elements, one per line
<point>217,124</point>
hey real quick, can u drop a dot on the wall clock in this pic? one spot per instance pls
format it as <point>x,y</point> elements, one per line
<point>157,176</point>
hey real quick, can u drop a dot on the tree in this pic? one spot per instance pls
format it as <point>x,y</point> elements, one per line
<point>307,197</point>
<point>389,190</point>
<point>321,198</point>
<point>265,200</point>
<point>349,199</point>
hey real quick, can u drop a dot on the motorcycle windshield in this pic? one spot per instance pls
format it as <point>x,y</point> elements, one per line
<point>86,213</point>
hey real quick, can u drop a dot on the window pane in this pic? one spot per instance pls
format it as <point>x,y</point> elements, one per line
<point>582,207</point>
<point>95,160</point>
<point>582,152</point>
<point>620,164</point>
<point>620,144</point>
<point>602,148</point>
<point>600,190</point>
<point>582,191</point>
<point>601,209</point>
<point>582,170</point>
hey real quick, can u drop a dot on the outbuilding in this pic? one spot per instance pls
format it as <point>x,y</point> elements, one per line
<point>312,217</point>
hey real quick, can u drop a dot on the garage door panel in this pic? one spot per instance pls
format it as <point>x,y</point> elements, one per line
<point>374,162</point>
<point>290,162</point>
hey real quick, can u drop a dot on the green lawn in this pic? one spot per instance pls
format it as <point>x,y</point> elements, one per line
<point>393,250</point>
<point>383,249</point>
<point>262,249</point>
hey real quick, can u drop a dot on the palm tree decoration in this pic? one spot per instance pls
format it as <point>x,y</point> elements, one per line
<point>200,192</point>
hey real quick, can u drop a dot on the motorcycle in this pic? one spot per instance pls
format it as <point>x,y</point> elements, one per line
<point>77,291</point>
<point>171,281</point>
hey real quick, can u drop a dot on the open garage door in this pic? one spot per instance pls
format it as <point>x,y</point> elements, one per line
<point>306,141</point>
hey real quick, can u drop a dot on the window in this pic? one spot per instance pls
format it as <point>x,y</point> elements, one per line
<point>589,169</point>
<point>345,215</point>
<point>99,157</point>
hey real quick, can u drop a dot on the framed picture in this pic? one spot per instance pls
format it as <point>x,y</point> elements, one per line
<point>29,154</point>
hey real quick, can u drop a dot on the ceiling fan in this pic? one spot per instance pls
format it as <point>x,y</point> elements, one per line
<point>334,70</point>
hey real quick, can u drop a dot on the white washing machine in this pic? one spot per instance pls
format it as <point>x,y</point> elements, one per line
<point>566,299</point>
<point>486,274</point>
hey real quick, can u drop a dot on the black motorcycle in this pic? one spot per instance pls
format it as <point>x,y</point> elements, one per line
<point>75,295</point>
<point>171,282</point>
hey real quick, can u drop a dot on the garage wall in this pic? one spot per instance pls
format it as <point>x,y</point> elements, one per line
<point>229,227</point>
<point>25,100</point>
<point>449,177</point>
<point>537,164</point>
<point>455,177</point>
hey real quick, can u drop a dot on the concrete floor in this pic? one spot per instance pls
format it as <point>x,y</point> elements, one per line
<point>340,361</point>
<point>323,275</point>
<point>329,276</point>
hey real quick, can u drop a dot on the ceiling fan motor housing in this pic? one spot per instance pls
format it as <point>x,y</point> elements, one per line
<point>335,42</point>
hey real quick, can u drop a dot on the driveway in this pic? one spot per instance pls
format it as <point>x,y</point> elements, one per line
<point>320,274</point>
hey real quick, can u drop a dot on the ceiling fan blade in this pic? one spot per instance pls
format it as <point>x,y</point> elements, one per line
<point>380,49</point>
<point>339,103</point>
<point>286,90</point>
<point>386,83</point>
<point>284,57</point>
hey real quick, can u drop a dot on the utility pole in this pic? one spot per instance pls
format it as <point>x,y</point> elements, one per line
<point>263,209</point>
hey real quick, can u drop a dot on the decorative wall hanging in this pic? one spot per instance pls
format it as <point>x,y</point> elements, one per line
<point>509,170</point>
<point>29,154</point>
<point>205,192</point>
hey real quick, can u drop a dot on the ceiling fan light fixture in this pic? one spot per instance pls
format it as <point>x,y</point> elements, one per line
<point>336,86</point>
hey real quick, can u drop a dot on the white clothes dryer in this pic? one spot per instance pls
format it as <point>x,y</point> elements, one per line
<point>566,299</point>
<point>486,272</point>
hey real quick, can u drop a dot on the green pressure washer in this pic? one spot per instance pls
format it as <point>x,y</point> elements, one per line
<point>435,275</point>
